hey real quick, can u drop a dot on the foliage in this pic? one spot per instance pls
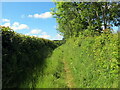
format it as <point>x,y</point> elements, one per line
<point>90,51</point>
<point>92,59</point>
<point>93,62</point>
<point>54,73</point>
<point>75,17</point>
<point>23,58</point>
<point>59,42</point>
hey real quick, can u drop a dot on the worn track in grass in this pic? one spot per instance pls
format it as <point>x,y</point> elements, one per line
<point>69,78</point>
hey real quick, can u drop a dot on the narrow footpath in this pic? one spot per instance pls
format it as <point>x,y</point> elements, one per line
<point>69,78</point>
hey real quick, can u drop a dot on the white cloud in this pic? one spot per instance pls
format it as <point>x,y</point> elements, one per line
<point>5,20</point>
<point>43,33</point>
<point>6,24</point>
<point>39,33</point>
<point>57,37</point>
<point>15,23</point>
<point>35,31</point>
<point>34,35</point>
<point>16,26</point>
<point>45,36</point>
<point>42,15</point>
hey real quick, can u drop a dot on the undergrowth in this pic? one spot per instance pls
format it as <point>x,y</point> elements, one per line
<point>28,62</point>
<point>93,62</point>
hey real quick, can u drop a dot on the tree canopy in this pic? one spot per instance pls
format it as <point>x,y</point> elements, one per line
<point>75,17</point>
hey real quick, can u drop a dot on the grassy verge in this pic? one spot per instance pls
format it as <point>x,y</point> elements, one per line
<point>93,62</point>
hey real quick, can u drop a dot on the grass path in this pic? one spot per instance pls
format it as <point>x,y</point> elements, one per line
<point>69,78</point>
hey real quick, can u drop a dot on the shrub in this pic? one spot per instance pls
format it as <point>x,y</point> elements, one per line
<point>23,57</point>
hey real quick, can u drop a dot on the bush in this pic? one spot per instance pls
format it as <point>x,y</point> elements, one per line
<point>93,61</point>
<point>23,57</point>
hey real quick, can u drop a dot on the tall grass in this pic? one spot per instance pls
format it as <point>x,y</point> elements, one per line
<point>93,62</point>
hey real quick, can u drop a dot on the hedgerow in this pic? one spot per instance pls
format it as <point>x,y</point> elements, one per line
<point>23,58</point>
<point>28,62</point>
<point>92,60</point>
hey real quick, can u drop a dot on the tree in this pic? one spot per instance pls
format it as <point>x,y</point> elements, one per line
<point>75,17</point>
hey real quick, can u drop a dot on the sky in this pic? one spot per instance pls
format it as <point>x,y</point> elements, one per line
<point>30,18</point>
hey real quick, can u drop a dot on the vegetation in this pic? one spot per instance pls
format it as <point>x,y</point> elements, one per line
<point>87,57</point>
<point>90,62</point>
<point>75,17</point>
<point>23,58</point>
<point>59,42</point>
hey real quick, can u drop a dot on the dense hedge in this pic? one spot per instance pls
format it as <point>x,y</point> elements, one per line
<point>96,64</point>
<point>21,56</point>
<point>92,61</point>
<point>59,42</point>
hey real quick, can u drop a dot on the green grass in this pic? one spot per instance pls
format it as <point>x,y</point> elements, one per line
<point>93,62</point>
<point>30,62</point>
<point>53,74</point>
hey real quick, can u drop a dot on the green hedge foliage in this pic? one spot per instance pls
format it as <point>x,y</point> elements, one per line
<point>23,57</point>
<point>92,60</point>
<point>59,42</point>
